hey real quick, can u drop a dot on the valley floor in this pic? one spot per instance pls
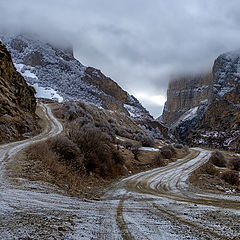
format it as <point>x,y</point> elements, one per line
<point>156,204</point>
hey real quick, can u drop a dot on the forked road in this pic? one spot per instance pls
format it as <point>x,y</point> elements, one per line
<point>157,204</point>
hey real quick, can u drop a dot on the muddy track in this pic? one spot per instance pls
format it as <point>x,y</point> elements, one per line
<point>194,213</point>
<point>156,204</point>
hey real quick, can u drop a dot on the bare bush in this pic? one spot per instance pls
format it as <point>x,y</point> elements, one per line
<point>107,128</point>
<point>71,110</point>
<point>136,151</point>
<point>178,146</point>
<point>230,177</point>
<point>88,138</point>
<point>84,120</point>
<point>159,159</point>
<point>67,152</point>
<point>234,164</point>
<point>207,168</point>
<point>100,156</point>
<point>147,141</point>
<point>112,121</point>
<point>218,159</point>
<point>127,144</point>
<point>168,151</point>
<point>64,148</point>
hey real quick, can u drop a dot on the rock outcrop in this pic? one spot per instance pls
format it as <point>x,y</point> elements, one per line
<point>17,101</point>
<point>210,117</point>
<point>185,93</point>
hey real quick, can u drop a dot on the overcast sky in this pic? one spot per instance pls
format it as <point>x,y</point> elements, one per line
<point>140,44</point>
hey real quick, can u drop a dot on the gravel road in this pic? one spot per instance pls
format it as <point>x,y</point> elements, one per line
<point>157,204</point>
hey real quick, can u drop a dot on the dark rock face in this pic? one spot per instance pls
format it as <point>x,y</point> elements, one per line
<point>214,122</point>
<point>17,101</point>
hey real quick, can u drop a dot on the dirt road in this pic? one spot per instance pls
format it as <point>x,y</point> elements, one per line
<point>157,204</point>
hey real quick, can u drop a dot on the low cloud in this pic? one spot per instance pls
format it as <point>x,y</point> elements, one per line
<point>137,43</point>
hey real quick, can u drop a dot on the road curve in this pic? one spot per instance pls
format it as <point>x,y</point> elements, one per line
<point>156,204</point>
<point>161,204</point>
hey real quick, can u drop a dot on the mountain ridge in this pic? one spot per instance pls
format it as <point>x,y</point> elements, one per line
<point>46,66</point>
<point>212,120</point>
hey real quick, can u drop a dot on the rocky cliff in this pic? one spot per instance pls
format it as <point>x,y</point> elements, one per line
<point>211,118</point>
<point>17,101</point>
<point>55,73</point>
<point>185,93</point>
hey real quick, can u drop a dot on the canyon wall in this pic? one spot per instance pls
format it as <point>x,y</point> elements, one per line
<point>206,110</point>
<point>17,101</point>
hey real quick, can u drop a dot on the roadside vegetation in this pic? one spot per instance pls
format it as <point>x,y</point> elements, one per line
<point>220,173</point>
<point>97,147</point>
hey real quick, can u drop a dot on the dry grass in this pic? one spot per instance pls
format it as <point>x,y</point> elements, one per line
<point>62,174</point>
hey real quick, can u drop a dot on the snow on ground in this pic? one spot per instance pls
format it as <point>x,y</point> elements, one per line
<point>131,110</point>
<point>149,149</point>
<point>25,70</point>
<point>41,92</point>
<point>190,114</point>
<point>47,93</point>
<point>120,139</point>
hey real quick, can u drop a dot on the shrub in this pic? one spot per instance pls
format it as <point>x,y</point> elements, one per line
<point>88,138</point>
<point>43,152</point>
<point>107,128</point>
<point>147,141</point>
<point>230,177</point>
<point>234,164</point>
<point>84,120</point>
<point>64,147</point>
<point>207,168</point>
<point>136,151</point>
<point>112,121</point>
<point>178,146</point>
<point>159,159</point>
<point>218,159</point>
<point>71,110</point>
<point>100,156</point>
<point>168,151</point>
<point>127,144</point>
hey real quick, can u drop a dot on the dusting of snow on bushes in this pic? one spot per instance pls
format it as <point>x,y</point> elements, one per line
<point>56,73</point>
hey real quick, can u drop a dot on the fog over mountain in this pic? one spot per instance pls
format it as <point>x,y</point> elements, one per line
<point>139,44</point>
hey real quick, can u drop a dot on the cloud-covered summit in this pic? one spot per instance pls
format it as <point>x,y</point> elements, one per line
<point>140,44</point>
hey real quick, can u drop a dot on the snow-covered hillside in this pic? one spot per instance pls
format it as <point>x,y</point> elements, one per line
<point>55,73</point>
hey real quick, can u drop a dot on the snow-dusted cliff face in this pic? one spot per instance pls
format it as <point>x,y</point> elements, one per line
<point>212,121</point>
<point>184,94</point>
<point>55,73</point>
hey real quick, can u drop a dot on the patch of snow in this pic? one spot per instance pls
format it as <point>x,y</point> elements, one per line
<point>120,139</point>
<point>47,93</point>
<point>25,70</point>
<point>149,149</point>
<point>190,114</point>
<point>131,110</point>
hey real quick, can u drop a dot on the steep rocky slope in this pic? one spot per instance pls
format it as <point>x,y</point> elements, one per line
<point>55,73</point>
<point>185,93</point>
<point>17,101</point>
<point>214,118</point>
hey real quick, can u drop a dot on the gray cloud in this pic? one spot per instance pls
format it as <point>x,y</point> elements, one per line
<point>140,44</point>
